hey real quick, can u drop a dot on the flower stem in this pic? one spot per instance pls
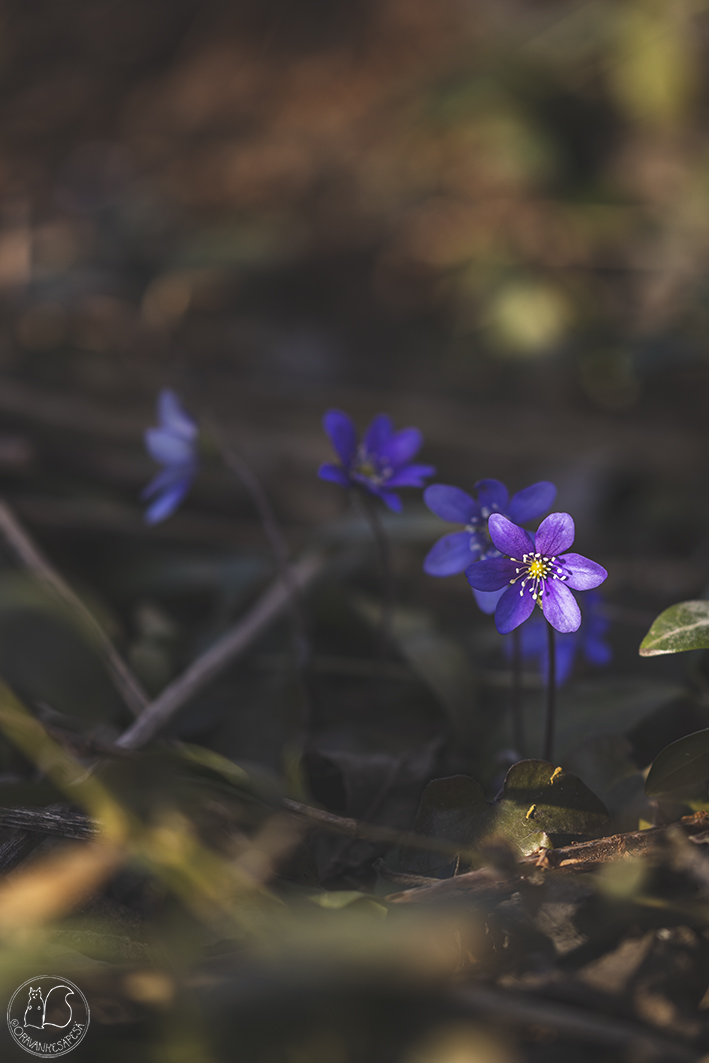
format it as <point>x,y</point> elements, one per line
<point>385,562</point>
<point>517,716</point>
<point>550,719</point>
<point>301,642</point>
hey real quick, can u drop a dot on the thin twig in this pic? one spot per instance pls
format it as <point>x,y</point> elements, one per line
<point>29,555</point>
<point>373,832</point>
<point>219,656</point>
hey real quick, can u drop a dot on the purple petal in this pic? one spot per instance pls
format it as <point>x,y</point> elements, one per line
<point>490,575</point>
<point>531,502</point>
<point>513,609</point>
<point>555,534</point>
<point>492,495</point>
<point>166,478</point>
<point>534,637</point>
<point>342,433</point>
<point>378,434</point>
<point>449,555</point>
<point>509,538</point>
<point>411,476</point>
<point>487,600</point>
<point>560,607</point>
<point>582,573</point>
<point>167,448</point>
<point>167,502</point>
<point>173,417</point>
<point>389,498</point>
<point>335,474</point>
<point>402,447</point>
<point>450,503</point>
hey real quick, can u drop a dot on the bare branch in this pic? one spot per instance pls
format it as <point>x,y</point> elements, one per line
<point>219,656</point>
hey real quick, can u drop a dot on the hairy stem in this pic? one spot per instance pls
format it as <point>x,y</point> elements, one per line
<point>516,702</point>
<point>387,571</point>
<point>550,719</point>
<point>301,641</point>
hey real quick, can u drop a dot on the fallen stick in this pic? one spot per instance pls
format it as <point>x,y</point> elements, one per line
<point>17,847</point>
<point>577,858</point>
<point>223,653</point>
<point>31,557</point>
<point>58,822</point>
<point>615,847</point>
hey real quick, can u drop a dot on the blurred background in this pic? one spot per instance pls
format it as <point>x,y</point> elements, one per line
<point>490,220</point>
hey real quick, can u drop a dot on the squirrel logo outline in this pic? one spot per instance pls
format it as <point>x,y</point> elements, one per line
<point>37,1008</point>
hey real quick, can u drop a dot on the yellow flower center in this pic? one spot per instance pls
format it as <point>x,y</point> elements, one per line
<point>535,570</point>
<point>367,469</point>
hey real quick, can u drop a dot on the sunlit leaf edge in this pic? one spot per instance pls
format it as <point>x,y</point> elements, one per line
<point>678,757</point>
<point>668,634</point>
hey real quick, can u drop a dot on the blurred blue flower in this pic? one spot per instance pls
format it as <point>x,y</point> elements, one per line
<point>172,444</point>
<point>535,570</point>
<point>382,460</point>
<point>588,640</point>
<point>455,551</point>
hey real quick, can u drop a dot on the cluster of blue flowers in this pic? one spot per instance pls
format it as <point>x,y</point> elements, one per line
<point>509,568</point>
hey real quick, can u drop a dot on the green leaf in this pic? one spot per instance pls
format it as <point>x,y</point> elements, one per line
<point>540,806</point>
<point>684,626</point>
<point>540,802</point>
<point>680,764</point>
<point>453,809</point>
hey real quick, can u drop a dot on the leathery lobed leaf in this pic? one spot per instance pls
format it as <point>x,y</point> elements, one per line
<point>680,764</point>
<point>540,802</point>
<point>540,806</point>
<point>684,626</point>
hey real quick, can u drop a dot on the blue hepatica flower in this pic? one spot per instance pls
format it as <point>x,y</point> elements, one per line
<point>455,551</point>
<point>535,570</point>
<point>172,444</point>
<point>588,640</point>
<point>381,462</point>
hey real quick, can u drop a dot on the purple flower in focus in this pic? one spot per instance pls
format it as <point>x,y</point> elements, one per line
<point>455,551</point>
<point>588,640</point>
<point>381,462</point>
<point>535,570</point>
<point>172,444</point>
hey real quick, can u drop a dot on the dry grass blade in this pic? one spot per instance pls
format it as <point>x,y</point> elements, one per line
<point>28,554</point>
